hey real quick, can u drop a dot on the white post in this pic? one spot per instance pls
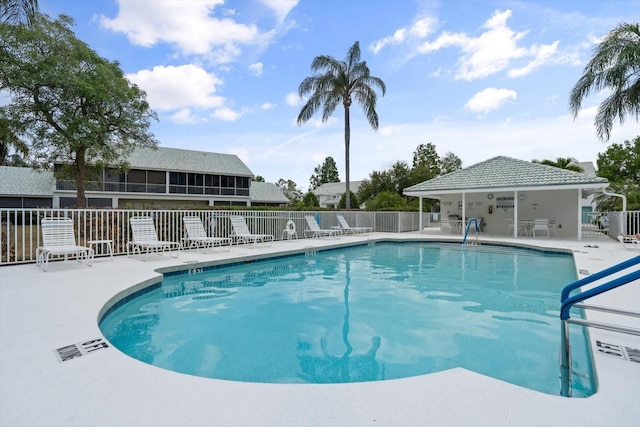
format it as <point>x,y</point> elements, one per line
<point>515,214</point>
<point>420,213</point>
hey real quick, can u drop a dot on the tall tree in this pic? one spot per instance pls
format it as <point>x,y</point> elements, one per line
<point>426,163</point>
<point>324,173</point>
<point>70,104</point>
<point>567,163</point>
<point>615,65</point>
<point>18,11</point>
<point>620,164</point>
<point>449,163</point>
<point>340,82</point>
<point>290,189</point>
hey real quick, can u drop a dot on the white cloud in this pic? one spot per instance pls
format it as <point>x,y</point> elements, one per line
<point>542,55</point>
<point>257,68</point>
<point>489,99</point>
<point>280,8</point>
<point>293,99</point>
<point>226,114</point>
<point>419,30</point>
<point>496,49</point>
<point>190,27</point>
<point>183,117</point>
<point>267,106</point>
<point>172,88</point>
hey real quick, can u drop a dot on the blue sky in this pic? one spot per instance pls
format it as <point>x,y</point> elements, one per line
<point>475,78</point>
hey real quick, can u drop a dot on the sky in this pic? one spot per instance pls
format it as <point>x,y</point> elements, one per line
<point>478,79</point>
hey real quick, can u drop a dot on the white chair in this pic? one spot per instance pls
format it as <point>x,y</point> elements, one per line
<point>196,236</point>
<point>145,238</point>
<point>540,225</point>
<point>630,241</point>
<point>58,238</point>
<point>242,233</point>
<point>314,229</point>
<point>521,227</point>
<point>346,228</point>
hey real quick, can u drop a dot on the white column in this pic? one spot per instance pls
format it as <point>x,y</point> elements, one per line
<point>420,213</point>
<point>515,214</point>
<point>579,213</point>
<point>464,213</point>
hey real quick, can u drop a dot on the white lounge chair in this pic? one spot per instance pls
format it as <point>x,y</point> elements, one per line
<point>145,238</point>
<point>540,225</point>
<point>346,228</point>
<point>58,238</point>
<point>242,233</point>
<point>314,229</point>
<point>196,236</point>
<point>630,241</point>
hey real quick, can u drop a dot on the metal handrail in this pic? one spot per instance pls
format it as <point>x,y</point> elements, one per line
<point>472,220</point>
<point>599,275</point>
<point>567,302</point>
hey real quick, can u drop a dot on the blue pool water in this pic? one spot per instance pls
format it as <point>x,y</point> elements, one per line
<point>365,313</point>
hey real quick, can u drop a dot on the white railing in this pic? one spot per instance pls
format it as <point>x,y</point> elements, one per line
<point>20,228</point>
<point>629,223</point>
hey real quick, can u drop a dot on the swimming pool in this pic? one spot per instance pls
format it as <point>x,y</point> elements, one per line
<point>364,313</point>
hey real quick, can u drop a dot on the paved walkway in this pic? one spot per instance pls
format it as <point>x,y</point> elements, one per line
<point>40,312</point>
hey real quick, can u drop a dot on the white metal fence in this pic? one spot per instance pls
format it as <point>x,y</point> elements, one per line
<point>20,228</point>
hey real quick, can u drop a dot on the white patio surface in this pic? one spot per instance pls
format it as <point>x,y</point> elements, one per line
<point>40,312</point>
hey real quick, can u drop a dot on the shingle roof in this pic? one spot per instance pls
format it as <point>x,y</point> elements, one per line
<point>165,158</point>
<point>506,172</point>
<point>336,188</point>
<point>266,192</point>
<point>16,181</point>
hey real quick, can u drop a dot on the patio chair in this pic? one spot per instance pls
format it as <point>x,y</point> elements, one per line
<point>58,238</point>
<point>540,225</point>
<point>630,241</point>
<point>196,236</point>
<point>346,228</point>
<point>145,238</point>
<point>242,233</point>
<point>521,227</point>
<point>314,229</point>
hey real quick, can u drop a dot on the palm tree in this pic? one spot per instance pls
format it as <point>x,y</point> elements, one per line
<point>337,82</point>
<point>18,11</point>
<point>567,163</point>
<point>615,65</point>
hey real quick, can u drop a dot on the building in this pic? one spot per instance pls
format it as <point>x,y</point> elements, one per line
<point>503,190</point>
<point>329,194</point>
<point>157,178</point>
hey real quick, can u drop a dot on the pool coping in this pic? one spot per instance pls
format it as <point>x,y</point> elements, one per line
<point>40,312</point>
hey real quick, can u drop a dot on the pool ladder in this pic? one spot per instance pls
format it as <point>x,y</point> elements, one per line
<point>466,233</point>
<point>566,302</point>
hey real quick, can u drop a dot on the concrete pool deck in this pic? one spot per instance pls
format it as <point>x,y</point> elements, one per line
<point>40,312</point>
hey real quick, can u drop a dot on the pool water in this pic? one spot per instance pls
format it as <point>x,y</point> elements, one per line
<point>364,313</point>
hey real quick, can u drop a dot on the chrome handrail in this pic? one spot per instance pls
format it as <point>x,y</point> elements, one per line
<point>567,302</point>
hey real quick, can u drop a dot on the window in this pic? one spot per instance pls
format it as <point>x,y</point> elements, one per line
<point>227,181</point>
<point>177,182</point>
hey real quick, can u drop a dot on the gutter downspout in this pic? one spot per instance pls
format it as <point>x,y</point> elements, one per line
<point>624,209</point>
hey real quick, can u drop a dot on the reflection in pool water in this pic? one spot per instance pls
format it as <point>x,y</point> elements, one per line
<point>390,310</point>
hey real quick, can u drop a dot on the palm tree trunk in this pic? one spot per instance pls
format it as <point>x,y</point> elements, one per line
<point>347,138</point>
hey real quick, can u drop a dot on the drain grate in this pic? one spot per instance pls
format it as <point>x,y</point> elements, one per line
<point>620,351</point>
<point>74,351</point>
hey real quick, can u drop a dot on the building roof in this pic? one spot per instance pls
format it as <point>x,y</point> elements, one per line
<point>16,181</point>
<point>177,159</point>
<point>336,188</point>
<point>505,173</point>
<point>266,192</point>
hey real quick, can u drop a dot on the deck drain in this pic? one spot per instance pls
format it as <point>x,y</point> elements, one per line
<point>80,349</point>
<point>627,353</point>
<point>585,272</point>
